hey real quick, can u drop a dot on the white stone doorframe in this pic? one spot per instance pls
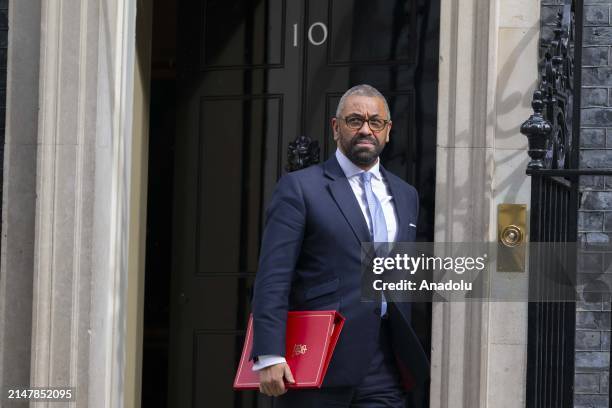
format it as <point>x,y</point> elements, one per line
<point>488,71</point>
<point>65,272</point>
<point>69,149</point>
<point>463,192</point>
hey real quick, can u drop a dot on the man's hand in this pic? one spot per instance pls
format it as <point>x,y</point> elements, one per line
<point>271,379</point>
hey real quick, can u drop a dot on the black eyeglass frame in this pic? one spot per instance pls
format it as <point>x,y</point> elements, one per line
<point>385,122</point>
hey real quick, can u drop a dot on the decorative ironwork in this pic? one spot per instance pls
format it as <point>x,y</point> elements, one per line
<point>549,129</point>
<point>537,129</point>
<point>301,153</point>
<point>551,324</point>
<point>553,132</point>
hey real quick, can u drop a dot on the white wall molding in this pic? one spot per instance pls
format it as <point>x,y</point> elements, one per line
<point>111,211</point>
<point>62,258</point>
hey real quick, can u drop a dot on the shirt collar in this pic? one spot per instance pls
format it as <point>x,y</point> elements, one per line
<point>350,169</point>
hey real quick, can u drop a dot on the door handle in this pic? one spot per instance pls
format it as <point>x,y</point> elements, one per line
<point>511,237</point>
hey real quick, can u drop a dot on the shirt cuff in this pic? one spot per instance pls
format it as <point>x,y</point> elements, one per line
<point>266,361</point>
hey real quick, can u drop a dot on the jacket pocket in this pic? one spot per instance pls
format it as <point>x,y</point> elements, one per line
<point>322,289</point>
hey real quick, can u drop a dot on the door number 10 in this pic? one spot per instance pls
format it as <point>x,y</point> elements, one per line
<point>321,27</point>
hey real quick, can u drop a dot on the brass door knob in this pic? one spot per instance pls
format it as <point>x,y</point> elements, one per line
<point>511,236</point>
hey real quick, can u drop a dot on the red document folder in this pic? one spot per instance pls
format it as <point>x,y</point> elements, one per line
<point>310,341</point>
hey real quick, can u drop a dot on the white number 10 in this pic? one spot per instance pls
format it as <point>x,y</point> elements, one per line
<point>319,24</point>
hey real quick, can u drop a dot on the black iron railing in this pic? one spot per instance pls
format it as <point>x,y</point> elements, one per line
<point>551,325</point>
<point>553,134</point>
<point>552,131</point>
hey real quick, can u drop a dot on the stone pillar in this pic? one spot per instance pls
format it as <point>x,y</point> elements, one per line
<point>516,75</point>
<point>67,198</point>
<point>488,68</point>
<point>19,189</point>
<point>65,170</point>
<point>463,193</point>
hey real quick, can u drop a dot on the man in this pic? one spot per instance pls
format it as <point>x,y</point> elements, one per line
<point>311,260</point>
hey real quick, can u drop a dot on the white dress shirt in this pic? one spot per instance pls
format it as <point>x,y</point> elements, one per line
<point>379,187</point>
<point>381,190</point>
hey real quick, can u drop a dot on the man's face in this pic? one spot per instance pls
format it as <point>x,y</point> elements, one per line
<point>362,146</point>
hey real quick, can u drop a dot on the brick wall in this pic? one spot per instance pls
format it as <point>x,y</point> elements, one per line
<point>594,219</point>
<point>592,363</point>
<point>595,216</point>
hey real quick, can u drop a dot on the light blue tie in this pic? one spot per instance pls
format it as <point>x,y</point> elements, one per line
<point>378,225</point>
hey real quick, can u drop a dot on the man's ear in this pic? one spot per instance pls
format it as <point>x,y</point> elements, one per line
<point>334,125</point>
<point>388,131</point>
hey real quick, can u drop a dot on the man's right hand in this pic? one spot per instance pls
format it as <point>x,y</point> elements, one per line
<point>272,379</point>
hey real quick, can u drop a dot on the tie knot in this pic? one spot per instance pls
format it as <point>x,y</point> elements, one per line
<point>366,176</point>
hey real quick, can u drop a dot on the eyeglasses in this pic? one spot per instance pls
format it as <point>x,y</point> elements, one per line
<point>356,122</point>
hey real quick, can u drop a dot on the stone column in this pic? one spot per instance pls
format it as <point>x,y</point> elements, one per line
<point>516,67</point>
<point>19,199</point>
<point>82,208</point>
<point>463,194</point>
<point>62,263</point>
<point>488,69</point>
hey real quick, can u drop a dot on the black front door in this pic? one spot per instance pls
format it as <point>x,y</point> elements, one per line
<point>253,76</point>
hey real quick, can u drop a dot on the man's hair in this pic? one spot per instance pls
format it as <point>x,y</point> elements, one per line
<point>362,90</point>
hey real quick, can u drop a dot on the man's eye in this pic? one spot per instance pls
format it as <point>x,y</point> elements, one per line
<point>355,122</point>
<point>376,122</point>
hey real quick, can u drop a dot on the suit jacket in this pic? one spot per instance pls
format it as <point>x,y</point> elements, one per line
<point>311,260</point>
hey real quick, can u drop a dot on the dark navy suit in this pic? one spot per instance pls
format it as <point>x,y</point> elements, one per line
<point>311,260</point>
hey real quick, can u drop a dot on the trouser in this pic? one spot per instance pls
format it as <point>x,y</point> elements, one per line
<point>379,388</point>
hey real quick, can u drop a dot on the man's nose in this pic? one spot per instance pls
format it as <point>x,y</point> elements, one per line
<point>365,128</point>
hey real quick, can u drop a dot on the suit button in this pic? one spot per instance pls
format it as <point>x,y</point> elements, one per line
<point>377,311</point>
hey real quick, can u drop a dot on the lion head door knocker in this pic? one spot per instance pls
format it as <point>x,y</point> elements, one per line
<point>301,153</point>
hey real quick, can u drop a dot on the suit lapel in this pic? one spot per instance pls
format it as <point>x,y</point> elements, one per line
<point>401,205</point>
<point>344,197</point>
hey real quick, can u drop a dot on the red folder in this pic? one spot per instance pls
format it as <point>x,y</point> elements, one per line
<point>309,343</point>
